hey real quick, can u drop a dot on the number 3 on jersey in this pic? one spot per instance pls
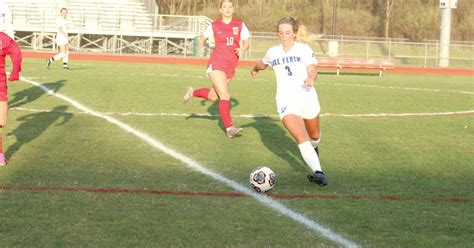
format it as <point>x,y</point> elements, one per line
<point>289,71</point>
<point>230,41</point>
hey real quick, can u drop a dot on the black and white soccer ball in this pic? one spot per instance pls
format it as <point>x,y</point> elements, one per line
<point>262,179</point>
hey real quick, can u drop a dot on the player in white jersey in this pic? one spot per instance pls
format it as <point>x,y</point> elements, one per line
<point>62,40</point>
<point>294,64</point>
<point>5,20</point>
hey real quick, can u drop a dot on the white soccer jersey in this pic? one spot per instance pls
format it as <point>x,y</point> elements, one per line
<point>293,97</point>
<point>62,23</point>
<point>290,67</point>
<point>62,40</point>
<point>5,20</point>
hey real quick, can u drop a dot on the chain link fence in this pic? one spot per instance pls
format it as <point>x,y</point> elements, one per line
<point>400,51</point>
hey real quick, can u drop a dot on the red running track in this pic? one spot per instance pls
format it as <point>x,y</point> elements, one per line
<point>203,61</point>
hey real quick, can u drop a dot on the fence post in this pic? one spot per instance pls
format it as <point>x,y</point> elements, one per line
<point>426,53</point>
<point>389,48</point>
<point>368,47</point>
<point>249,52</point>
<point>160,23</point>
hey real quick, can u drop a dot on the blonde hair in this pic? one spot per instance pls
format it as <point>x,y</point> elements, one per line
<point>303,34</point>
<point>299,29</point>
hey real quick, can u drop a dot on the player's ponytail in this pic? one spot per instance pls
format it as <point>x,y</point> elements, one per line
<point>299,29</point>
<point>302,34</point>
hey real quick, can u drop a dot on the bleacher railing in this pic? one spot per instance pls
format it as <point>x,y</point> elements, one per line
<point>29,18</point>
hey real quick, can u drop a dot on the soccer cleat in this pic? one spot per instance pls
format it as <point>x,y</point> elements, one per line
<point>2,159</point>
<point>234,132</point>
<point>319,178</point>
<point>66,68</point>
<point>48,63</point>
<point>188,95</point>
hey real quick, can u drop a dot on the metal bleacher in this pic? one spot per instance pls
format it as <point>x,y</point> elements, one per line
<point>111,26</point>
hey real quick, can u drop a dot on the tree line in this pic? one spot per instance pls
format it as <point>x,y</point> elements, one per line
<point>412,19</point>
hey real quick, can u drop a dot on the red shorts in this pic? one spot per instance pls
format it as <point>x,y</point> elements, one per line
<point>3,92</point>
<point>229,71</point>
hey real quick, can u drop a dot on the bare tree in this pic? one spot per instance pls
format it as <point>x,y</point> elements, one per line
<point>388,15</point>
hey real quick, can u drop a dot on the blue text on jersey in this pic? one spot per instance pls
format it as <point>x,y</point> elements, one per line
<point>285,60</point>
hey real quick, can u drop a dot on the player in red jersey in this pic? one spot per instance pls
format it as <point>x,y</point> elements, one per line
<point>228,34</point>
<point>11,48</point>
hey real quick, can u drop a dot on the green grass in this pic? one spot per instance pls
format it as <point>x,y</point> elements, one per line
<point>421,159</point>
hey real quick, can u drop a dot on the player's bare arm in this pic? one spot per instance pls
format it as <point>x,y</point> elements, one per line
<point>258,67</point>
<point>202,41</point>
<point>245,46</point>
<point>312,74</point>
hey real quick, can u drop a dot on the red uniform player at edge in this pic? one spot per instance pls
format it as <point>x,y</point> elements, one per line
<point>9,47</point>
<point>228,34</point>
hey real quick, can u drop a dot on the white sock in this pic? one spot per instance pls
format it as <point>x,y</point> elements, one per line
<point>315,143</point>
<point>58,56</point>
<point>310,156</point>
<point>66,58</point>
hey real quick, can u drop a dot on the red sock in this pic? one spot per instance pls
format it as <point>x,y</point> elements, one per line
<point>224,110</point>
<point>201,93</point>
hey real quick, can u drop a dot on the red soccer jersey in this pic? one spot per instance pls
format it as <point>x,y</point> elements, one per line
<point>227,39</point>
<point>9,47</point>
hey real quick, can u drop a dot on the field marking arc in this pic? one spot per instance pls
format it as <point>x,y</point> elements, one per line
<point>263,199</point>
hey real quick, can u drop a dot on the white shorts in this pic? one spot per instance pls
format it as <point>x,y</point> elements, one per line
<point>303,102</point>
<point>61,40</point>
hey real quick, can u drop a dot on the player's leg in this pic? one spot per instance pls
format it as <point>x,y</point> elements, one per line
<point>296,126</point>
<point>220,84</point>
<point>3,124</point>
<point>313,129</point>
<point>58,56</point>
<point>204,93</point>
<point>66,57</point>
<point>212,96</point>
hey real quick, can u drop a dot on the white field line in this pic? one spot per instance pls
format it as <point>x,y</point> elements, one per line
<point>402,88</point>
<point>251,116</point>
<point>339,84</point>
<point>263,199</point>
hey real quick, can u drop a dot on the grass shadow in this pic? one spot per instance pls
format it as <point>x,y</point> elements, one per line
<point>33,125</point>
<point>33,93</point>
<point>213,111</point>
<point>275,139</point>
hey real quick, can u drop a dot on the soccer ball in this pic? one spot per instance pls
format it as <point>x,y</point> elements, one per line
<point>262,179</point>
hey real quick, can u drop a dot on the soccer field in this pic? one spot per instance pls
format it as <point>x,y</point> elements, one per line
<point>110,156</point>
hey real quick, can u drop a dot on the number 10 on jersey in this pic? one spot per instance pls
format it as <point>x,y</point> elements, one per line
<point>230,41</point>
